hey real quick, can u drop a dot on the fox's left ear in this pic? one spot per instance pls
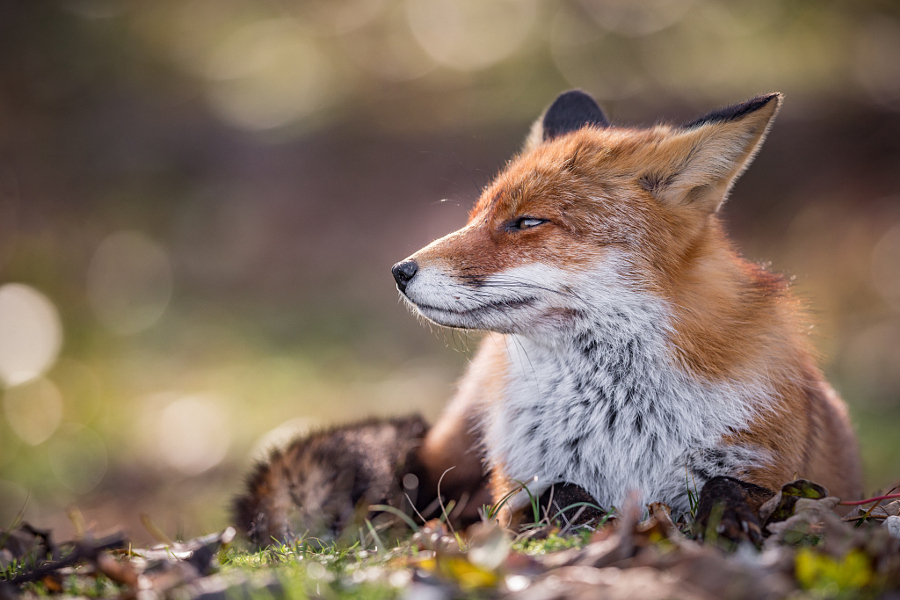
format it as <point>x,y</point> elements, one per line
<point>699,162</point>
<point>571,111</point>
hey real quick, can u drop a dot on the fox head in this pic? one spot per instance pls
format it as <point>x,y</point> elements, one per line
<point>588,214</point>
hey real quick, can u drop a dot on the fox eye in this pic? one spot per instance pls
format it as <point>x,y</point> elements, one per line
<point>526,223</point>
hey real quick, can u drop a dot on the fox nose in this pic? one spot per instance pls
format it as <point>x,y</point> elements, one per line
<point>403,272</point>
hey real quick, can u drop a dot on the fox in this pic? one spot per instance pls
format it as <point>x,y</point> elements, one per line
<point>631,354</point>
<point>631,350</point>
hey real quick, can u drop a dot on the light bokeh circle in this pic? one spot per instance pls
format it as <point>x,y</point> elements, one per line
<point>30,333</point>
<point>129,282</point>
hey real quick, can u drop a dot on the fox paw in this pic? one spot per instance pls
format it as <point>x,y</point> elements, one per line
<point>569,504</point>
<point>728,509</point>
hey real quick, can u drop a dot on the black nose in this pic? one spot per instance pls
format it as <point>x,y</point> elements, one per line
<point>403,272</point>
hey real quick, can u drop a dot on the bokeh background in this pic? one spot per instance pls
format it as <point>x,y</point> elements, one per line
<point>200,201</point>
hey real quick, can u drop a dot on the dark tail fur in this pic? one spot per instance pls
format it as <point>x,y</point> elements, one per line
<point>318,484</point>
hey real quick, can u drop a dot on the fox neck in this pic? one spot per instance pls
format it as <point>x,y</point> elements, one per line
<point>730,318</point>
<point>709,315</point>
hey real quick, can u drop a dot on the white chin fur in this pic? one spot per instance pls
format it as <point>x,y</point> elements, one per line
<point>512,301</point>
<point>501,320</point>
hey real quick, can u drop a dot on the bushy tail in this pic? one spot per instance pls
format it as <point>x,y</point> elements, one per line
<point>318,483</point>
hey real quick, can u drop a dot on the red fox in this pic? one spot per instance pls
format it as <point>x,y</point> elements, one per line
<point>631,350</point>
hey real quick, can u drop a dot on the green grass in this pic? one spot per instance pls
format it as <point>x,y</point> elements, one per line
<point>311,569</point>
<point>553,542</point>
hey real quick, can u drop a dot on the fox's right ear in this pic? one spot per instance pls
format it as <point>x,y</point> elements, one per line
<point>570,112</point>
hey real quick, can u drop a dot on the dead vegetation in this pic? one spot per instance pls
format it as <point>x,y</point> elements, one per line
<point>807,552</point>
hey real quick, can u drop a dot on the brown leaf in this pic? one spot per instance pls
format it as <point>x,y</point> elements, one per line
<point>611,583</point>
<point>892,524</point>
<point>613,549</point>
<point>725,577</point>
<point>25,543</point>
<point>52,583</point>
<point>488,545</point>
<point>788,496</point>
<point>120,572</point>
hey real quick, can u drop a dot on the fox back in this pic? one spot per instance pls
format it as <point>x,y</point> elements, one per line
<point>633,348</point>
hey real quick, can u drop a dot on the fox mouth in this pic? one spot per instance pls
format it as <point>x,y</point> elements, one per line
<point>504,305</point>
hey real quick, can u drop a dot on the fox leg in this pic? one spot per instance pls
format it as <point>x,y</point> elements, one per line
<point>529,502</point>
<point>505,493</point>
<point>451,460</point>
<point>452,454</point>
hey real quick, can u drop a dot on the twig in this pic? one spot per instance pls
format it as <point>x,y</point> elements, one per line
<point>863,518</point>
<point>158,534</point>
<point>569,522</point>
<point>868,500</point>
<point>77,520</point>
<point>82,550</point>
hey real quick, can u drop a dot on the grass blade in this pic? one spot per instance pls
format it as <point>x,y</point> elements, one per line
<point>397,513</point>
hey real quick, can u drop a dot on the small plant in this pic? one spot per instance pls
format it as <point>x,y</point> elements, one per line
<point>693,494</point>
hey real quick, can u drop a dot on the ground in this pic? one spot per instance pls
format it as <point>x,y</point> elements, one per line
<point>808,552</point>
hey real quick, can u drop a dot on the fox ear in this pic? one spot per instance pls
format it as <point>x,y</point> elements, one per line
<point>700,161</point>
<point>570,111</point>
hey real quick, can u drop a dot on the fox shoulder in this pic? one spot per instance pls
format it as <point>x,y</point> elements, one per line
<point>317,483</point>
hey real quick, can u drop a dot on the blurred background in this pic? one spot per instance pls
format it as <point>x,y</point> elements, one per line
<point>200,201</point>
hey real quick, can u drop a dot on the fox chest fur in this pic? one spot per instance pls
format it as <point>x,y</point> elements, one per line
<point>607,409</point>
